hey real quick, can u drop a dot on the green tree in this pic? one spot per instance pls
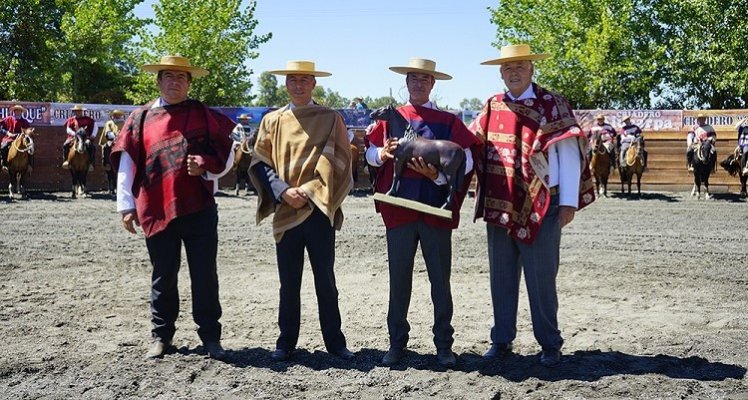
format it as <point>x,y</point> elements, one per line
<point>471,104</point>
<point>600,58</point>
<point>381,102</point>
<point>97,60</point>
<point>217,35</point>
<point>329,98</point>
<point>271,94</point>
<point>30,36</point>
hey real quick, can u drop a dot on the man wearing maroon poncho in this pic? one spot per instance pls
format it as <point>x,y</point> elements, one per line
<point>169,156</point>
<point>533,177</point>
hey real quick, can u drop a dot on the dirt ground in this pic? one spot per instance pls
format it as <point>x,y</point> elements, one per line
<point>653,298</point>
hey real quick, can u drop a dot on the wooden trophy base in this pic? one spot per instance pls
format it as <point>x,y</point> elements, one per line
<point>413,205</point>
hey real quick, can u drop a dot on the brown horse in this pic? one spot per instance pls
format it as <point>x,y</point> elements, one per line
<point>704,163</point>
<point>600,164</point>
<point>79,162</point>
<point>633,165</point>
<point>734,166</point>
<point>19,153</point>
<point>242,159</point>
<point>355,154</point>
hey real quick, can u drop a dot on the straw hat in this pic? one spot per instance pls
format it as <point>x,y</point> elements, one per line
<point>700,115</point>
<point>516,52</point>
<point>423,66</point>
<point>244,116</point>
<point>117,112</point>
<point>599,117</point>
<point>78,107</point>
<point>626,118</point>
<point>18,107</point>
<point>300,67</point>
<point>175,63</point>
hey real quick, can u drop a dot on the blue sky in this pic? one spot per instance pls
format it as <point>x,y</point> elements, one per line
<point>358,41</point>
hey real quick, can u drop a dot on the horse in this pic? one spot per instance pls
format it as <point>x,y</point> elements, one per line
<point>633,166</point>
<point>79,162</point>
<point>21,148</point>
<point>448,157</point>
<point>704,163</point>
<point>242,159</point>
<point>111,178</point>
<point>733,164</point>
<point>600,164</point>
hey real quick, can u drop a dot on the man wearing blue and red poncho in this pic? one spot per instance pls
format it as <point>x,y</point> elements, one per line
<point>169,156</point>
<point>407,228</point>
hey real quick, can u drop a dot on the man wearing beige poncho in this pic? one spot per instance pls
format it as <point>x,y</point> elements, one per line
<point>302,171</point>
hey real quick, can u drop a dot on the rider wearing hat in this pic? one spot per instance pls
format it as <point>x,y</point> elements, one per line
<point>698,133</point>
<point>10,127</point>
<point>76,122</point>
<point>607,135</point>
<point>630,133</point>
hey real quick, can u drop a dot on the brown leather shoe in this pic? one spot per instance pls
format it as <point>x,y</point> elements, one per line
<point>159,348</point>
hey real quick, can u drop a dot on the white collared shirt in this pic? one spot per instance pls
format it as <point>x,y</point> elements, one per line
<point>564,152</point>
<point>374,154</point>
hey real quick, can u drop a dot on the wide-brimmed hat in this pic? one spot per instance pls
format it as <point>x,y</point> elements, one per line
<point>300,67</point>
<point>625,118</point>
<point>175,63</point>
<point>700,115</point>
<point>600,116</point>
<point>516,52</point>
<point>244,116</point>
<point>117,112</point>
<point>18,107</point>
<point>78,107</point>
<point>422,66</point>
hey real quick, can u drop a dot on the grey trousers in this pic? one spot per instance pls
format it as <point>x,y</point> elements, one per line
<point>436,246</point>
<point>507,259</point>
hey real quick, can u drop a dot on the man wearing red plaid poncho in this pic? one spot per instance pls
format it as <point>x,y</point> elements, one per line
<point>169,156</point>
<point>533,177</point>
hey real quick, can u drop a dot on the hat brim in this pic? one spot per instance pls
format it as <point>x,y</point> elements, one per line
<point>298,72</point>
<point>528,57</point>
<point>436,74</point>
<point>117,113</point>
<point>78,109</point>
<point>22,108</point>
<point>196,72</point>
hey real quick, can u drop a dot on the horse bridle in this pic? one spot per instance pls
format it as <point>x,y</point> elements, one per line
<point>26,140</point>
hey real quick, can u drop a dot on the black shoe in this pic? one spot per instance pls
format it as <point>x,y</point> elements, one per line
<point>343,353</point>
<point>550,357</point>
<point>498,350</point>
<point>215,350</point>
<point>281,354</point>
<point>446,358</point>
<point>393,356</point>
<point>159,348</point>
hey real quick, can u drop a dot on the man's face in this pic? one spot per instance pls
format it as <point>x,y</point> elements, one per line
<point>174,85</point>
<point>300,88</point>
<point>601,121</point>
<point>419,87</point>
<point>517,76</point>
<point>77,113</point>
<point>17,113</point>
<point>701,121</point>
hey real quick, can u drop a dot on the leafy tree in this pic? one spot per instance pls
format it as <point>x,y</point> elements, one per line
<point>600,59</point>
<point>329,98</point>
<point>30,36</point>
<point>381,102</point>
<point>271,94</point>
<point>471,104</point>
<point>97,59</point>
<point>217,35</point>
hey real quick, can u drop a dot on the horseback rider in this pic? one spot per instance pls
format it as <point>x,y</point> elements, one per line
<point>110,132</point>
<point>72,125</point>
<point>244,131</point>
<point>631,133</point>
<point>607,135</point>
<point>10,127</point>
<point>698,133</point>
<point>742,148</point>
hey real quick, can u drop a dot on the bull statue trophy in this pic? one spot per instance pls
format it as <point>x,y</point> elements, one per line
<point>448,158</point>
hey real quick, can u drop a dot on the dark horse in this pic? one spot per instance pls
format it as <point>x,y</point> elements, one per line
<point>633,165</point>
<point>111,178</point>
<point>600,164</point>
<point>21,148</point>
<point>242,159</point>
<point>734,166</point>
<point>78,162</point>
<point>704,163</point>
<point>448,157</point>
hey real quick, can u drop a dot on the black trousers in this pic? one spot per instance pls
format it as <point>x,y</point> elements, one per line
<point>317,236</point>
<point>199,233</point>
